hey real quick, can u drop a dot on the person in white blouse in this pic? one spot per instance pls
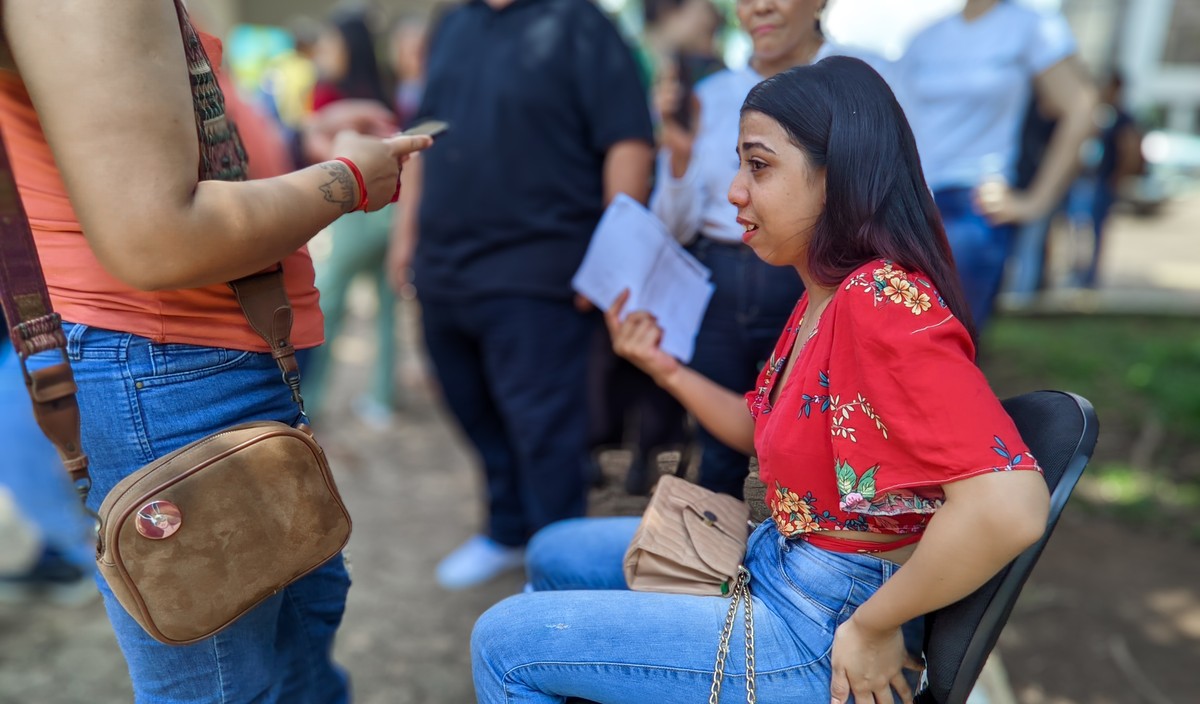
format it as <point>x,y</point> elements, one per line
<point>752,300</point>
<point>967,80</point>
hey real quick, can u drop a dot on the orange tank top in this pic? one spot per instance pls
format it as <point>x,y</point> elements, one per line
<point>83,292</point>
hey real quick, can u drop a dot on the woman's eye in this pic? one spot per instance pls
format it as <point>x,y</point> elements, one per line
<point>756,164</point>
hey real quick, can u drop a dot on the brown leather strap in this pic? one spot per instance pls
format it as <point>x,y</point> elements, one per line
<point>265,304</point>
<point>34,327</point>
<point>262,296</point>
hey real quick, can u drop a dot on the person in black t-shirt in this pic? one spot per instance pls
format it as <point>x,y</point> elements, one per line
<point>548,121</point>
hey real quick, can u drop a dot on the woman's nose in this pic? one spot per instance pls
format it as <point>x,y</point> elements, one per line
<point>738,195</point>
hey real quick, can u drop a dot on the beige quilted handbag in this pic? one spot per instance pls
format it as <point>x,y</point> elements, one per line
<point>690,541</point>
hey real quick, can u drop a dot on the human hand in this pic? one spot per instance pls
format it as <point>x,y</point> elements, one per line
<point>1002,205</point>
<point>637,339</point>
<point>379,160</point>
<point>869,664</point>
<point>362,116</point>
<point>399,267</point>
<point>582,304</point>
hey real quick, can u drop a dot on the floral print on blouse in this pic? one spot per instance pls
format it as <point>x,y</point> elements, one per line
<point>883,407</point>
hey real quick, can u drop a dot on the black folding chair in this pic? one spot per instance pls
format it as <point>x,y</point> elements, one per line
<point>1060,429</point>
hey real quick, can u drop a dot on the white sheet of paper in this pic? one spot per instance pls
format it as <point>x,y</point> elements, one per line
<point>631,249</point>
<point>621,255</point>
<point>678,295</point>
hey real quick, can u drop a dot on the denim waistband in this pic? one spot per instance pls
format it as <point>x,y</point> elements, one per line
<point>867,569</point>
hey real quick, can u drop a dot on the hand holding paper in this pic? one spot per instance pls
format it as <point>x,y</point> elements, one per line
<point>632,250</point>
<point>638,338</point>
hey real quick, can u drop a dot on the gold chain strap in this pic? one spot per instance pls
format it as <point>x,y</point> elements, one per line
<point>741,592</point>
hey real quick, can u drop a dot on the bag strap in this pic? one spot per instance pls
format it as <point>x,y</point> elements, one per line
<point>34,327</point>
<point>265,304</point>
<point>262,296</point>
<point>741,592</point>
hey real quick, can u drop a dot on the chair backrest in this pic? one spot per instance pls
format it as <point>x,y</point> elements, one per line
<point>1060,429</point>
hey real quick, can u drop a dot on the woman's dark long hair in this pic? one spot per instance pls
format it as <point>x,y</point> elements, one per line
<point>362,79</point>
<point>843,116</point>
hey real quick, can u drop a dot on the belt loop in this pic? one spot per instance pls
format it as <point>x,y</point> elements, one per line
<point>74,334</point>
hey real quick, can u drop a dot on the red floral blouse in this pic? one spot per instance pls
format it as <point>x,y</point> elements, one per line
<point>883,407</point>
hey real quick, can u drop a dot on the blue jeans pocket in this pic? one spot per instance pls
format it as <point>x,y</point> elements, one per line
<point>175,362</point>
<point>822,592</point>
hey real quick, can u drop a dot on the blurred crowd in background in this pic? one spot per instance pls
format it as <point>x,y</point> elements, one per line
<point>284,75</point>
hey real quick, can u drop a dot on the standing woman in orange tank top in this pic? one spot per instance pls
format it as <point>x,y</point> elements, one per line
<point>133,180</point>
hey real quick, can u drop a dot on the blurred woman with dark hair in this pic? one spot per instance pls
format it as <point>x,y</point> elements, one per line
<point>878,438</point>
<point>347,70</point>
<point>346,61</point>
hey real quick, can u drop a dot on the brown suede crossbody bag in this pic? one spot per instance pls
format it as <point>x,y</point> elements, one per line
<point>194,540</point>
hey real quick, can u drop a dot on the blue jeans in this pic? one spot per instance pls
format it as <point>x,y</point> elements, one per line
<point>1089,202</point>
<point>513,370</point>
<point>980,250</point>
<point>604,643</point>
<point>141,400</point>
<point>31,469</point>
<point>752,302</point>
<point>1028,261</point>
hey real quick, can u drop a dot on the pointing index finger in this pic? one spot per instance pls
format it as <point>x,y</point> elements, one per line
<point>403,145</point>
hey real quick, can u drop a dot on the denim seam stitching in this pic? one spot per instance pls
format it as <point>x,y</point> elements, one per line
<point>135,407</point>
<point>509,677</point>
<point>803,594</point>
<point>157,380</point>
<point>216,649</point>
<point>301,618</point>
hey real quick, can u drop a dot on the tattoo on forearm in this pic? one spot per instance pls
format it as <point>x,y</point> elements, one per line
<point>340,188</point>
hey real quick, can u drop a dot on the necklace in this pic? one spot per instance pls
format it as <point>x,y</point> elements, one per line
<point>782,367</point>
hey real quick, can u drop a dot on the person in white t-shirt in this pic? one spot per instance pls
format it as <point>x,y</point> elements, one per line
<point>753,299</point>
<point>967,80</point>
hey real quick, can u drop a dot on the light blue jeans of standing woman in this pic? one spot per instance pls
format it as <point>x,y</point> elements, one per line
<point>141,400</point>
<point>593,639</point>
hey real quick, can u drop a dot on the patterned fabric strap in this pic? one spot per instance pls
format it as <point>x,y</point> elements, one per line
<point>222,155</point>
<point>262,296</point>
<point>34,327</point>
<point>23,293</point>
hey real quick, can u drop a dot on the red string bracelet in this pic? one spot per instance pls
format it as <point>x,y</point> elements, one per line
<point>358,178</point>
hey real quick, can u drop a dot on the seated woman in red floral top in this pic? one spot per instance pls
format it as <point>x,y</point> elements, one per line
<point>878,438</point>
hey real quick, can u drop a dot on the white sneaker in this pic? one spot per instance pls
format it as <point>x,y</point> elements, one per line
<point>372,413</point>
<point>476,561</point>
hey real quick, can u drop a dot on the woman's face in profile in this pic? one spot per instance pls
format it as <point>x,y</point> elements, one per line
<point>777,27</point>
<point>778,194</point>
